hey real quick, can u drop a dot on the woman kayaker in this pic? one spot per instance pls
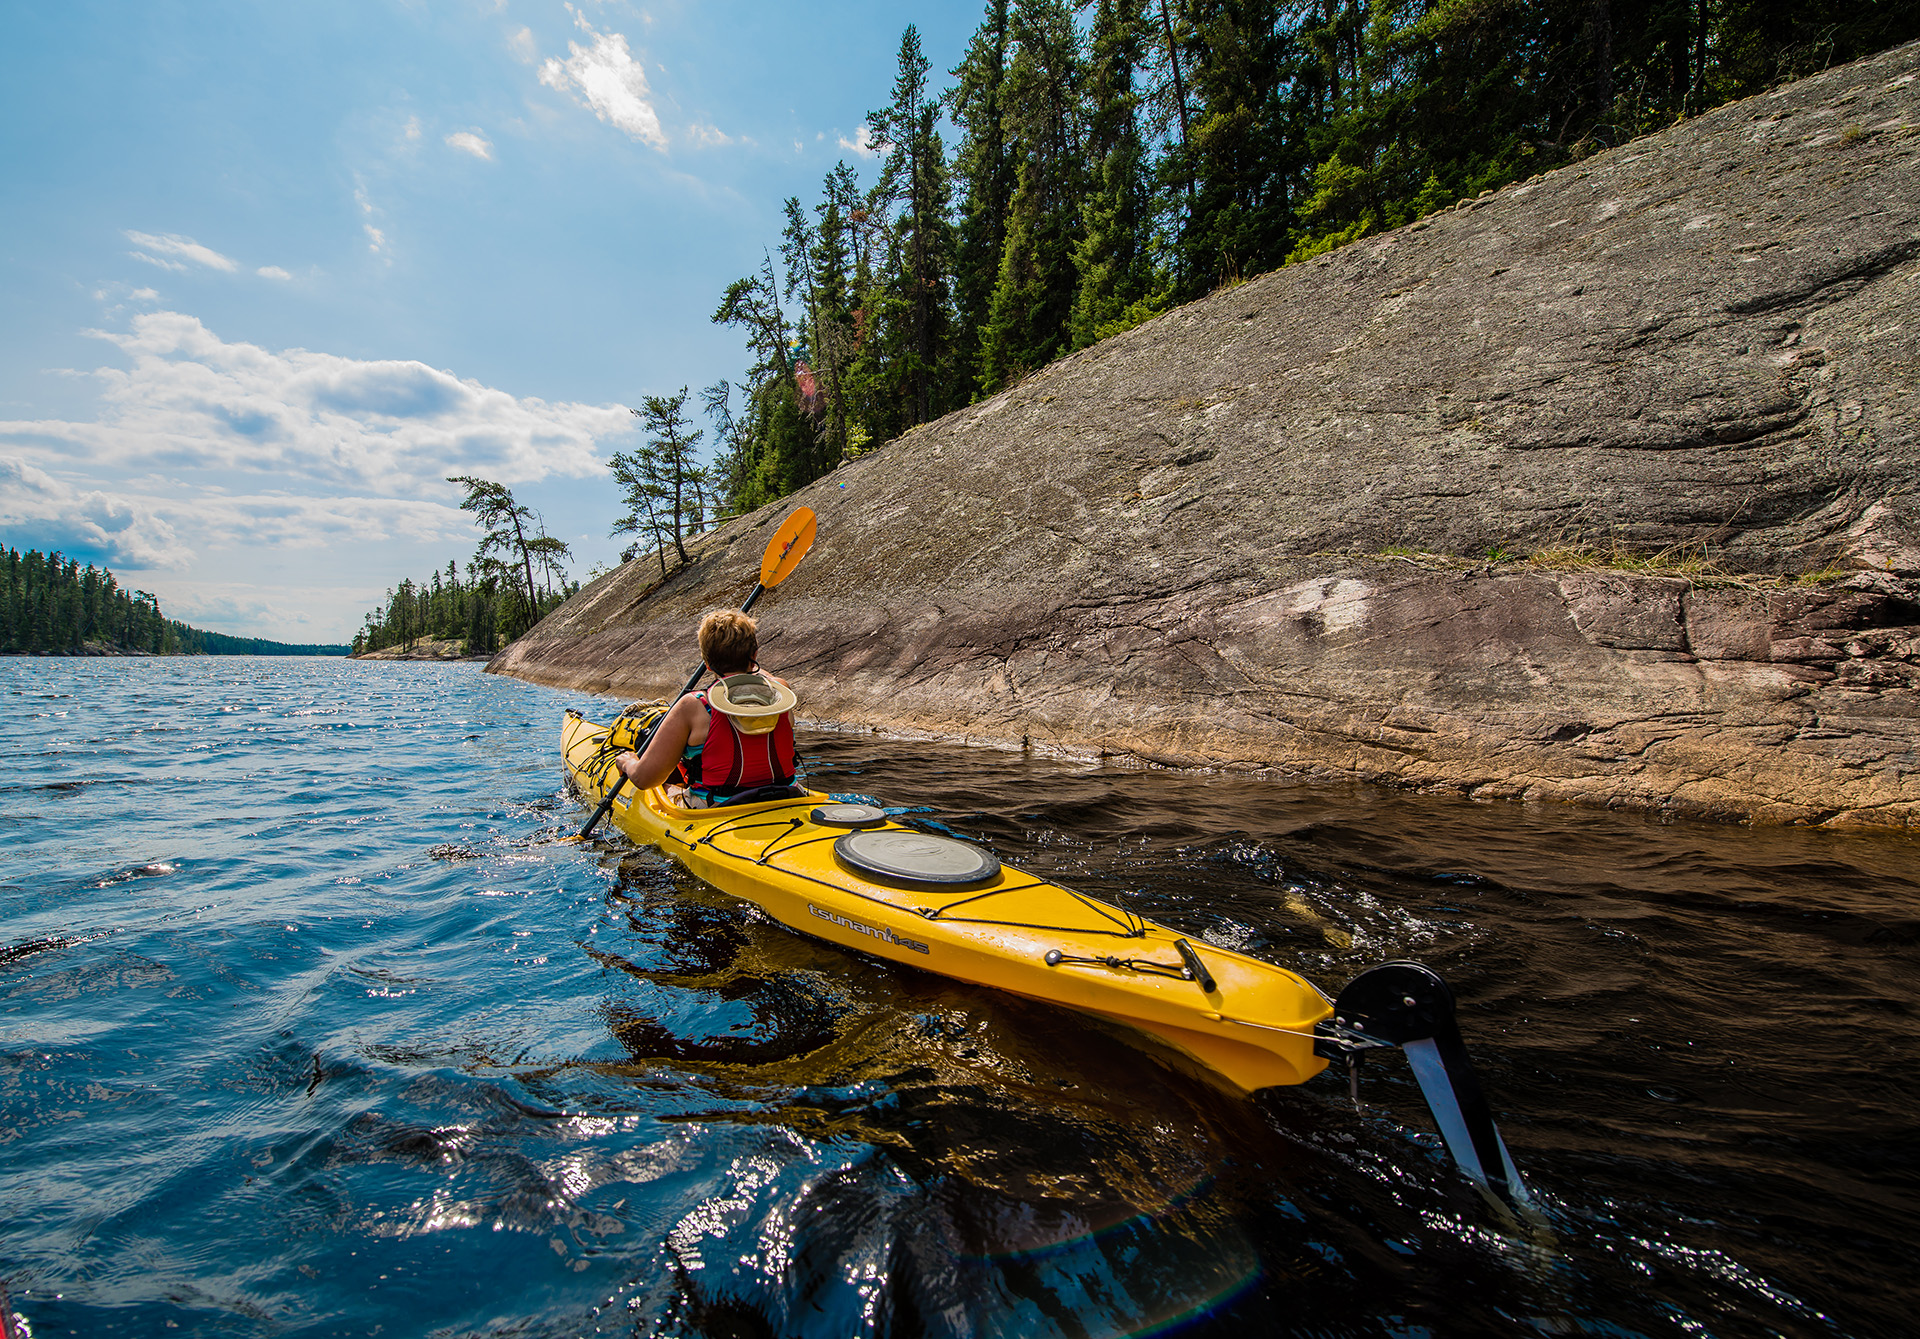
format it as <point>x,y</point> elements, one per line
<point>735,737</point>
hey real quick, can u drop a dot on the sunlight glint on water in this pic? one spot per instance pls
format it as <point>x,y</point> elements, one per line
<point>310,1024</point>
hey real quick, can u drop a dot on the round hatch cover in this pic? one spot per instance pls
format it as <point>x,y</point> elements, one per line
<point>914,857</point>
<point>848,816</point>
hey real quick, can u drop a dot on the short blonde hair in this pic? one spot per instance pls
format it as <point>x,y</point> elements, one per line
<point>729,641</point>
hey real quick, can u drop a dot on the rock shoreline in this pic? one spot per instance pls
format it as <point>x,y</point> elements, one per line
<point>94,649</point>
<point>1178,545</point>
<point>424,649</point>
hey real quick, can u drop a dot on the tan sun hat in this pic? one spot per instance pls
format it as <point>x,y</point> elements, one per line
<point>753,700</point>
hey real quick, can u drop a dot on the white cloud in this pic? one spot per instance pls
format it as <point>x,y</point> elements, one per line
<point>40,511</point>
<point>605,78</point>
<point>376,239</point>
<point>145,531</point>
<point>170,250</point>
<point>244,609</point>
<point>861,143</point>
<point>117,294</point>
<point>318,422</point>
<point>271,520</point>
<point>708,135</point>
<point>520,45</point>
<point>265,492</point>
<point>268,272</point>
<point>289,611</point>
<point>468,142</point>
<point>412,128</point>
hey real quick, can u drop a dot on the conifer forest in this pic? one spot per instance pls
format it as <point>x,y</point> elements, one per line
<point>51,605</point>
<point>1115,158</point>
<point>516,575</point>
<point>482,612</point>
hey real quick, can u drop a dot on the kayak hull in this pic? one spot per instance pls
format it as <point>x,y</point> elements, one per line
<point>1012,931</point>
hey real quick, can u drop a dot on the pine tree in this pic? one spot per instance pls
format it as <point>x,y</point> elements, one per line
<point>1240,159</point>
<point>835,333</point>
<point>816,264</point>
<point>506,527</point>
<point>915,177</point>
<point>773,448</point>
<point>1113,260</point>
<point>1028,322</point>
<point>661,478</point>
<point>988,174</point>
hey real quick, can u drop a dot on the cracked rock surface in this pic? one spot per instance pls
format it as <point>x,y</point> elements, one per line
<point>1175,545</point>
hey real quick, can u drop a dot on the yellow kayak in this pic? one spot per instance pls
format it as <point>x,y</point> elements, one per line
<point>850,875</point>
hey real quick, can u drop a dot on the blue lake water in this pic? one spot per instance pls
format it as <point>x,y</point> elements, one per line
<point>311,1024</point>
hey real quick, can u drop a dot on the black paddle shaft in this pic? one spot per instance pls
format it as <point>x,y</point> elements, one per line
<point>640,744</point>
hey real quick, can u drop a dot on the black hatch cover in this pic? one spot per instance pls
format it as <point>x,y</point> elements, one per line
<point>915,857</point>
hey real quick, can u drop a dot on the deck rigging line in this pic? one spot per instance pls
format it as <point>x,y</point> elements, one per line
<point>1127,925</point>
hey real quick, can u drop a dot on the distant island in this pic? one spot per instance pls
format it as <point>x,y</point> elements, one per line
<point>52,606</point>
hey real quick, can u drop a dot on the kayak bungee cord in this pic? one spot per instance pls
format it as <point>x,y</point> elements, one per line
<point>929,913</point>
<point>1132,927</point>
<point>1055,958</point>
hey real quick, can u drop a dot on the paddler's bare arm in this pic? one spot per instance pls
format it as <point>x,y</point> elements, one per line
<point>663,751</point>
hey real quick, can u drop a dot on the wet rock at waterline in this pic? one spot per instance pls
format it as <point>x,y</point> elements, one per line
<point>423,648</point>
<point>1178,544</point>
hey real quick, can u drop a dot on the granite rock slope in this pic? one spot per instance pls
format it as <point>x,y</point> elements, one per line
<point>1199,543</point>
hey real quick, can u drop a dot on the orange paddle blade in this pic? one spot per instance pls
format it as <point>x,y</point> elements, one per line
<point>787,547</point>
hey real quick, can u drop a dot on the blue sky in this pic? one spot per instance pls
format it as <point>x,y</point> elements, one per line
<point>270,271</point>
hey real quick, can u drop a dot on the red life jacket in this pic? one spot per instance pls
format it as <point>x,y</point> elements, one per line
<point>731,763</point>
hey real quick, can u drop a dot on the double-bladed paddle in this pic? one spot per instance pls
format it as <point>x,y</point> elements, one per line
<point>784,552</point>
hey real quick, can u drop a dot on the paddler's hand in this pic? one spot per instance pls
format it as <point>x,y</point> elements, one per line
<point>627,762</point>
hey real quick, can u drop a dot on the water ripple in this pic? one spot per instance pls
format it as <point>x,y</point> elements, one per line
<point>312,1022</point>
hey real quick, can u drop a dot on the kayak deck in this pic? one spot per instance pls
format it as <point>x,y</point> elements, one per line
<point>1253,1028</point>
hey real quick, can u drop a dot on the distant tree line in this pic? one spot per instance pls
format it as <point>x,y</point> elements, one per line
<point>51,605</point>
<point>1117,157</point>
<point>515,577</point>
<point>476,612</point>
<point>198,642</point>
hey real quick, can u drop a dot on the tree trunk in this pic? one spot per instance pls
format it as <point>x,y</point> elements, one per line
<point>1179,92</point>
<point>526,558</point>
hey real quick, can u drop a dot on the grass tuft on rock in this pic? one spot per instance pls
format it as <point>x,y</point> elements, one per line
<point>1690,561</point>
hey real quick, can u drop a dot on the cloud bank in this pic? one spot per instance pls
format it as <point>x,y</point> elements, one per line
<point>39,511</point>
<point>191,401</point>
<point>237,445</point>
